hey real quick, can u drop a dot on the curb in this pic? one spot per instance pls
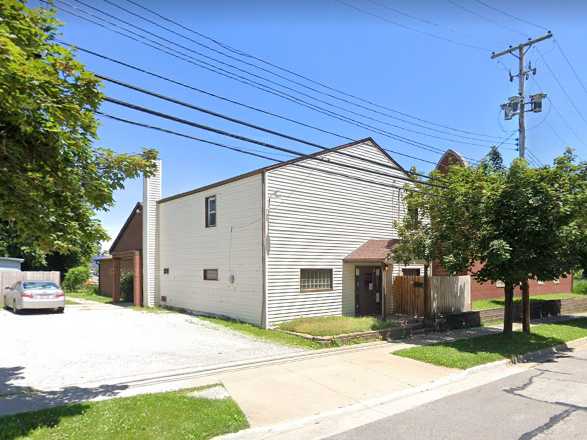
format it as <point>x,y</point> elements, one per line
<point>532,357</point>
<point>187,373</point>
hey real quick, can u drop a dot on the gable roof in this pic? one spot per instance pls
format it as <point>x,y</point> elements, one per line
<point>137,208</point>
<point>282,164</point>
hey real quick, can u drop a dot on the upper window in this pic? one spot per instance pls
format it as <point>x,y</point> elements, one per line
<point>211,274</point>
<point>411,272</point>
<point>315,280</point>
<point>210,211</point>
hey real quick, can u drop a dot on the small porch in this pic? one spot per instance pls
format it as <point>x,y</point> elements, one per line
<point>385,289</point>
<point>116,268</point>
<point>368,267</point>
<point>125,260</point>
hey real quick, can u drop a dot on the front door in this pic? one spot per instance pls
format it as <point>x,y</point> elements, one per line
<point>368,291</point>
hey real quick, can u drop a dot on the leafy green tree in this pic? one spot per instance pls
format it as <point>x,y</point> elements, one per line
<point>519,222</point>
<point>52,178</point>
<point>416,244</point>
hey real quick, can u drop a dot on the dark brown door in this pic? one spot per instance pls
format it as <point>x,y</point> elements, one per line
<point>368,291</point>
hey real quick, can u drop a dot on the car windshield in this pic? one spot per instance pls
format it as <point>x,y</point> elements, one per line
<point>33,285</point>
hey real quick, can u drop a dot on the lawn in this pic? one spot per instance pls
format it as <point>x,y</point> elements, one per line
<point>162,416</point>
<point>334,325</point>
<point>267,335</point>
<point>467,353</point>
<point>496,303</point>
<point>89,295</point>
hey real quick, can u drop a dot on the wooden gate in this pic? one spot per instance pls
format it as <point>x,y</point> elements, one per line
<point>408,295</point>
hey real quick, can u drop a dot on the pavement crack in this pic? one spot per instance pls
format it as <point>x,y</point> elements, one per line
<point>554,420</point>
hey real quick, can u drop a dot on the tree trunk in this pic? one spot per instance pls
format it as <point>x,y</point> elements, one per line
<point>508,310</point>
<point>525,306</point>
<point>427,308</point>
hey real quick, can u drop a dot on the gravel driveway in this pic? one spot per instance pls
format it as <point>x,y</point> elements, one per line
<point>106,344</point>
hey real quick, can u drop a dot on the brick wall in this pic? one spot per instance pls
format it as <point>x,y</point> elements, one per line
<point>106,280</point>
<point>489,290</point>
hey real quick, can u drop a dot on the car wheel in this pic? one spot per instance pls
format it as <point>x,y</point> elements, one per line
<point>14,309</point>
<point>60,309</point>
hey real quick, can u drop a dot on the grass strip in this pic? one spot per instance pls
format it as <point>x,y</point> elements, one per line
<point>265,334</point>
<point>496,303</point>
<point>335,325</point>
<point>467,353</point>
<point>90,296</point>
<point>162,416</point>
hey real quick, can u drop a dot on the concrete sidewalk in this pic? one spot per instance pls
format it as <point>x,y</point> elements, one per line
<point>276,393</point>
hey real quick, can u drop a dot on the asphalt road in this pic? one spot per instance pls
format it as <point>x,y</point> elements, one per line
<point>546,402</point>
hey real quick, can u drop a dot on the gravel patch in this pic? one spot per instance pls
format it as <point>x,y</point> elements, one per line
<point>109,344</point>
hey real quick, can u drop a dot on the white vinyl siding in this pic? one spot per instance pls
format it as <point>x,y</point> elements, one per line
<point>315,219</point>
<point>233,247</point>
<point>151,194</point>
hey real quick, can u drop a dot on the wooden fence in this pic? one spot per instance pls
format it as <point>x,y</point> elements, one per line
<point>447,294</point>
<point>408,295</point>
<point>9,277</point>
<point>450,294</point>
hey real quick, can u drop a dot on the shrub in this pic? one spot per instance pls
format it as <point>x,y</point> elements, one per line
<point>76,277</point>
<point>580,286</point>
<point>127,286</point>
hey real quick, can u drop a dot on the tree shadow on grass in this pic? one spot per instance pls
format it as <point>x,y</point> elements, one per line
<point>506,346</point>
<point>48,407</point>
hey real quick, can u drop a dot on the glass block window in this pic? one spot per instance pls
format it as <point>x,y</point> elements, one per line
<point>315,280</point>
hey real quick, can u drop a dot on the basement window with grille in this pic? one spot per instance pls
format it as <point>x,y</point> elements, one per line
<point>315,280</point>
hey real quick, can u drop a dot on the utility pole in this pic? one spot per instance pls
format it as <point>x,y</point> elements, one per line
<point>517,105</point>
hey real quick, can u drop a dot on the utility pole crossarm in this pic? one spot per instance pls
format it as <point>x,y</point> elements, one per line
<point>530,42</point>
<point>519,102</point>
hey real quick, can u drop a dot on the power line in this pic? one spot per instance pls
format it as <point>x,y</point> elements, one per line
<point>291,72</point>
<point>579,80</point>
<point>248,152</point>
<point>535,157</point>
<point>286,87</point>
<point>544,59</point>
<point>562,87</point>
<point>167,116</point>
<point>511,15</point>
<point>134,14</point>
<point>277,83</point>
<point>230,100</point>
<point>244,123</point>
<point>318,109</point>
<point>409,28</point>
<point>268,89</point>
<point>483,17</point>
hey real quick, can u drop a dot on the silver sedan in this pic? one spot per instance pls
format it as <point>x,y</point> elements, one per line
<point>24,295</point>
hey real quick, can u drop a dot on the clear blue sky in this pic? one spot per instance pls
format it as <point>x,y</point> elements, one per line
<point>362,54</point>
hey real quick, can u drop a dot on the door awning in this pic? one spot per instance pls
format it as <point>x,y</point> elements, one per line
<point>372,251</point>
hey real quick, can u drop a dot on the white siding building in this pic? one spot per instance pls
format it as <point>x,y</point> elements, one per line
<point>277,243</point>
